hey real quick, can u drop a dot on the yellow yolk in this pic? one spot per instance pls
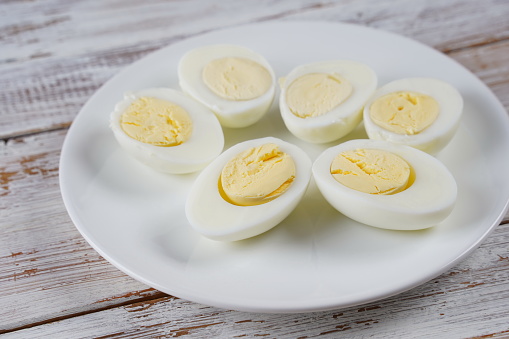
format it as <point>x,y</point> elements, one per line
<point>236,78</point>
<point>315,94</point>
<point>157,122</point>
<point>257,175</point>
<point>371,171</point>
<point>404,112</point>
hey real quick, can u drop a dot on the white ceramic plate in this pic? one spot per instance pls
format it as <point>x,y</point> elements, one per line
<point>316,259</point>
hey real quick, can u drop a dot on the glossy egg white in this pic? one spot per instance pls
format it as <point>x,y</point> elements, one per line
<point>204,145</point>
<point>229,112</point>
<point>426,203</point>
<point>436,136</point>
<point>342,119</point>
<point>215,218</point>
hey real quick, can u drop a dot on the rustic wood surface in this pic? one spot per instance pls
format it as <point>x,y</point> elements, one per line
<point>55,54</point>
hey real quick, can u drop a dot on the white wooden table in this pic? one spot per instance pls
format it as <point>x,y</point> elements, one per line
<point>55,54</point>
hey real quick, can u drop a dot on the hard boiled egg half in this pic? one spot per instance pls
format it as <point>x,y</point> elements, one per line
<point>236,83</point>
<point>420,112</point>
<point>323,101</point>
<point>167,130</point>
<point>248,189</point>
<point>385,185</point>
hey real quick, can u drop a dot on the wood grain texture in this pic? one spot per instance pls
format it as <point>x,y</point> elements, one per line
<point>51,63</point>
<point>44,261</point>
<point>54,54</point>
<point>444,25</point>
<point>68,28</point>
<point>470,300</point>
<point>491,64</point>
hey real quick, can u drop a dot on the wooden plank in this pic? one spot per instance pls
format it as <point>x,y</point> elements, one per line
<point>47,269</point>
<point>41,96</point>
<point>56,29</point>
<point>61,28</point>
<point>471,300</point>
<point>444,25</point>
<point>491,64</point>
<point>55,54</point>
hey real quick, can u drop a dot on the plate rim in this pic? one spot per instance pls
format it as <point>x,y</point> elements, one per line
<point>287,308</point>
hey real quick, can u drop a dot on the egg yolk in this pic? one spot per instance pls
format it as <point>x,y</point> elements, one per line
<point>406,113</point>
<point>236,79</point>
<point>315,94</point>
<point>257,175</point>
<point>371,171</point>
<point>157,122</point>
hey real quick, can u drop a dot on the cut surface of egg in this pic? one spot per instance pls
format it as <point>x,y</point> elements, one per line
<point>167,130</point>
<point>420,112</point>
<point>248,189</point>
<point>385,185</point>
<point>323,101</point>
<point>236,83</point>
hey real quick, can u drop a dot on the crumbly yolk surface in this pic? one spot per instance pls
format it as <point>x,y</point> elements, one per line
<point>404,112</point>
<point>371,171</point>
<point>157,122</point>
<point>257,175</point>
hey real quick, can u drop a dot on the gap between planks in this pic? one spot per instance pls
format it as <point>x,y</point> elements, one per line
<point>473,46</point>
<point>60,127</point>
<point>157,296</point>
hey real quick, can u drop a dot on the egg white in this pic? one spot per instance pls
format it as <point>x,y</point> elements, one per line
<point>427,202</point>
<point>230,113</point>
<point>339,121</point>
<point>215,218</point>
<point>436,136</point>
<point>205,143</point>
